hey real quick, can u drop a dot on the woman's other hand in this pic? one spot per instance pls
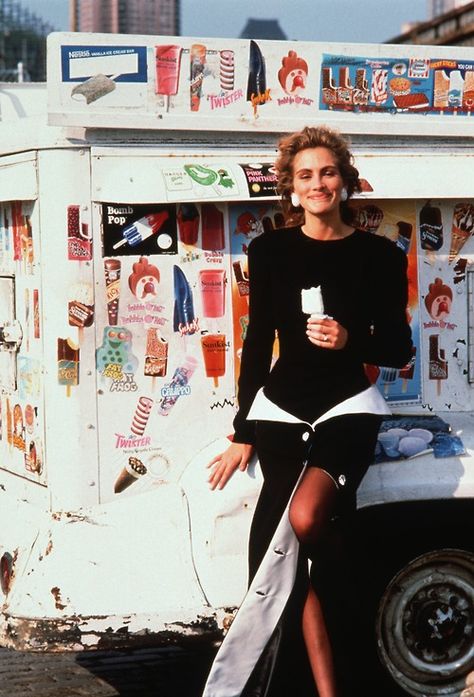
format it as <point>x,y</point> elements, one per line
<point>326,332</point>
<point>236,457</point>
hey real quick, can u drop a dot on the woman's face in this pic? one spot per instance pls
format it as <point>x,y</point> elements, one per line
<point>317,180</point>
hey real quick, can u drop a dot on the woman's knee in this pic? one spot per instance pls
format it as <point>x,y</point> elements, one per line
<point>307,524</point>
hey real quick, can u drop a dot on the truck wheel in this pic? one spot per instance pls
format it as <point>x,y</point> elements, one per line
<point>424,624</point>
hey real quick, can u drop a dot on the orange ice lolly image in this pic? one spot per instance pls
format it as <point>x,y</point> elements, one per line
<point>213,349</point>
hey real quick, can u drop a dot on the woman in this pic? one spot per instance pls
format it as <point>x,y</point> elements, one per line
<point>313,419</point>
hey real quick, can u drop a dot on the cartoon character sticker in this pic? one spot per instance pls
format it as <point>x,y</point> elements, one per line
<point>144,279</point>
<point>115,357</point>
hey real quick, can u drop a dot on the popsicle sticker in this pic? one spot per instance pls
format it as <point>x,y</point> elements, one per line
<point>141,416</point>
<point>212,285</point>
<point>112,269</point>
<point>462,228</point>
<point>407,372</point>
<point>68,364</point>
<point>79,239</point>
<point>184,320</point>
<point>168,61</point>
<point>115,357</point>
<point>197,57</point>
<point>144,279</point>
<point>257,91</point>
<point>144,228</point>
<point>438,365</point>
<point>212,227</point>
<point>438,300</point>
<point>388,376</point>
<point>293,74</point>
<point>242,279</point>
<point>178,386</point>
<point>431,229</point>
<point>213,349</point>
<point>188,223</point>
<point>156,354</point>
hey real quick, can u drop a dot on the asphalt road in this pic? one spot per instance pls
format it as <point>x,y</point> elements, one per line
<point>150,672</point>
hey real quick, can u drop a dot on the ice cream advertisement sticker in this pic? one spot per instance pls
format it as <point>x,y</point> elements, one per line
<point>261,179</point>
<point>415,85</point>
<point>139,229</point>
<point>200,181</point>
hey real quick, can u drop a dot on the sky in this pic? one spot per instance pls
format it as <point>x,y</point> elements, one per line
<point>370,21</point>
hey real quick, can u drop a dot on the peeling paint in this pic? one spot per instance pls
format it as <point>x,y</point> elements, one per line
<point>99,632</point>
<point>56,593</point>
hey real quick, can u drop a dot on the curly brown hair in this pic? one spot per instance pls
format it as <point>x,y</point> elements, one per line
<point>314,137</point>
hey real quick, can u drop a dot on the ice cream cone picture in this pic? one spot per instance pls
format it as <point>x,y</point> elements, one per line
<point>462,228</point>
<point>68,364</point>
<point>133,470</point>
<point>438,365</point>
<point>112,269</point>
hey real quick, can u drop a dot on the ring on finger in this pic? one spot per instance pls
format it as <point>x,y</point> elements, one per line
<point>325,337</point>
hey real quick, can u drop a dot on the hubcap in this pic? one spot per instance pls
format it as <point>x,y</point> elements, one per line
<point>425,623</point>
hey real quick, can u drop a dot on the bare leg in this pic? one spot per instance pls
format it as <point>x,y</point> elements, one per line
<point>310,511</point>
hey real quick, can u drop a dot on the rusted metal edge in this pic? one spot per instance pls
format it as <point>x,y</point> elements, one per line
<point>105,632</point>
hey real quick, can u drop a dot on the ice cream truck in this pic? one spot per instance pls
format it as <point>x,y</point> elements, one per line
<point>130,189</point>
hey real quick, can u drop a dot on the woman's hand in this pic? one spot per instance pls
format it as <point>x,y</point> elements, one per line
<point>326,332</point>
<point>236,456</point>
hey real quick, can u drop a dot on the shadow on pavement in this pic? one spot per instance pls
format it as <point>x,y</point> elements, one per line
<point>149,672</point>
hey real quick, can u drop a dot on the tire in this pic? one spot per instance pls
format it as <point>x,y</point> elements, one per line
<point>416,583</point>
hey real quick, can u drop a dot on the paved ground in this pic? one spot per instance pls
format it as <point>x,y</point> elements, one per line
<point>165,672</point>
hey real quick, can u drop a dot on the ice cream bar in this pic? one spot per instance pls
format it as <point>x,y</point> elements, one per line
<point>438,366</point>
<point>212,227</point>
<point>141,416</point>
<point>168,59</point>
<point>178,386</point>
<point>184,319</point>
<point>431,228</point>
<point>156,354</point>
<point>79,242</point>
<point>142,229</point>
<point>188,223</point>
<point>197,56</point>
<point>81,305</point>
<point>312,301</point>
<point>369,218</point>
<point>241,278</point>
<point>68,364</point>
<point>94,88</point>
<point>404,236</point>
<point>133,470</point>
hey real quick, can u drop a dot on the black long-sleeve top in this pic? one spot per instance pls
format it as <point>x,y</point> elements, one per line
<point>364,286</point>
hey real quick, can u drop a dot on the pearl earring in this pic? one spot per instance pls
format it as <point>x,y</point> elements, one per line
<point>344,195</point>
<point>295,200</point>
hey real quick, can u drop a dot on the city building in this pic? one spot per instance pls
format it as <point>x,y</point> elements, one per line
<point>263,29</point>
<point>126,16</point>
<point>440,7</point>
<point>453,28</point>
<point>22,43</point>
